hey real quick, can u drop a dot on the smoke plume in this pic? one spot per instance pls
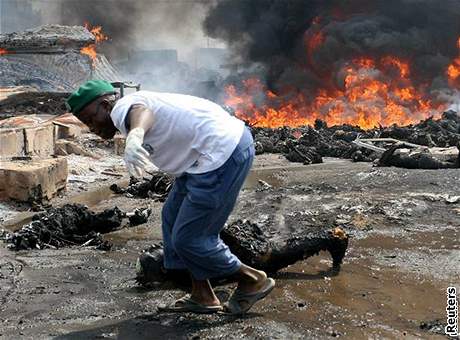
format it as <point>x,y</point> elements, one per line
<point>133,25</point>
<point>322,48</point>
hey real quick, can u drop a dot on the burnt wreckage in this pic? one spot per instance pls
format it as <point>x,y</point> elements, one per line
<point>308,144</point>
<point>28,63</point>
<point>253,246</point>
<point>71,225</point>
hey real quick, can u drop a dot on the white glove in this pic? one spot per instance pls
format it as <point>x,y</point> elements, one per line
<point>136,157</point>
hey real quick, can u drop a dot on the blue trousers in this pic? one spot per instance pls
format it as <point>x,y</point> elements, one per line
<point>195,212</point>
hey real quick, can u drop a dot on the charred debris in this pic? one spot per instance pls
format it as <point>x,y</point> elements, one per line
<point>72,225</point>
<point>310,144</point>
<point>251,243</point>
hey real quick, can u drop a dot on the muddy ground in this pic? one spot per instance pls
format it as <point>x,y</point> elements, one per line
<point>404,252</point>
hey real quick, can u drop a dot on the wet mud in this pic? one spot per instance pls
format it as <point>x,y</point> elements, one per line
<point>403,227</point>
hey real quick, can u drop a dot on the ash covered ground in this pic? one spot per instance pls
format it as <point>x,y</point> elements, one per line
<point>403,226</point>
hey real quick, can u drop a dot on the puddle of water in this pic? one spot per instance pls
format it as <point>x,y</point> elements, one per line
<point>96,196</point>
<point>366,299</point>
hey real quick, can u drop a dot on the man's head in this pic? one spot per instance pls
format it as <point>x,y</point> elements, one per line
<point>92,104</point>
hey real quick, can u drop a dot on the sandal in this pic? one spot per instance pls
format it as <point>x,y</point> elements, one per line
<point>185,304</point>
<point>241,302</point>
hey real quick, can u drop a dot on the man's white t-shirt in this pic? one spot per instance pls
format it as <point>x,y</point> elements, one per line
<point>189,134</point>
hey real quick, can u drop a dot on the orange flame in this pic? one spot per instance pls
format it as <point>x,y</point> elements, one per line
<point>375,93</point>
<point>3,51</point>
<point>453,70</point>
<point>90,50</point>
<point>97,32</point>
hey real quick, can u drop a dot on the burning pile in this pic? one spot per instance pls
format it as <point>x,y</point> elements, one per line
<point>374,93</point>
<point>361,63</point>
<point>308,144</point>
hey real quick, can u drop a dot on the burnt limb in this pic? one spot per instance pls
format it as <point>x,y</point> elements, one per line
<point>246,240</point>
<point>419,160</point>
<point>300,247</point>
<point>249,243</point>
<point>71,224</point>
<point>157,187</point>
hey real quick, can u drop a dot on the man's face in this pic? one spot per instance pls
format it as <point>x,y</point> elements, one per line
<point>96,116</point>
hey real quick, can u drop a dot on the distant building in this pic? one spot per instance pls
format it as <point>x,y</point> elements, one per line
<point>149,60</point>
<point>210,58</point>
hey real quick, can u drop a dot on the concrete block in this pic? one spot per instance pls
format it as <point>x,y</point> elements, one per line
<point>65,147</point>
<point>67,131</point>
<point>40,140</point>
<point>36,140</point>
<point>11,143</point>
<point>24,180</point>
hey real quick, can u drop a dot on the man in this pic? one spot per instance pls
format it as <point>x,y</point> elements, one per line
<point>210,152</point>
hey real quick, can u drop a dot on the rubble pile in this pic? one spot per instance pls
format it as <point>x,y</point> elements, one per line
<point>48,38</point>
<point>69,225</point>
<point>34,103</point>
<point>443,132</point>
<point>48,58</point>
<point>156,188</point>
<point>308,144</point>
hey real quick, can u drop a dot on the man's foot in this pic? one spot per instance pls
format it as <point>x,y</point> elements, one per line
<point>188,305</point>
<point>203,293</point>
<point>240,302</point>
<point>252,280</point>
<point>206,300</point>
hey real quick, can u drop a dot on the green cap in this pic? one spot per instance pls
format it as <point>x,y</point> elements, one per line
<point>87,93</point>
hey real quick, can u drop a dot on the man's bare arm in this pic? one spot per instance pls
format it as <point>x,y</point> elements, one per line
<point>140,116</point>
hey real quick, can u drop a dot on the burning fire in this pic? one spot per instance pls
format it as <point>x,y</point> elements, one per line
<point>453,71</point>
<point>366,91</point>
<point>3,51</point>
<point>90,50</point>
<point>375,92</point>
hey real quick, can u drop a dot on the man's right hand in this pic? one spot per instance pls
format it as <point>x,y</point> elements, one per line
<point>136,157</point>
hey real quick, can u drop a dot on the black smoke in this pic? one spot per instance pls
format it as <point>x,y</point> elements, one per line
<point>131,24</point>
<point>272,34</point>
<point>117,19</point>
